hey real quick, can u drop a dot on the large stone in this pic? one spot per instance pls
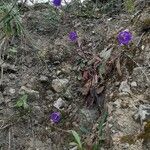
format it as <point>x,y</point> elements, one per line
<point>143,113</point>
<point>59,84</point>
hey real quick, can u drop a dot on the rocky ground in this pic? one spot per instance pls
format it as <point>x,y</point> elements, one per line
<point>49,73</point>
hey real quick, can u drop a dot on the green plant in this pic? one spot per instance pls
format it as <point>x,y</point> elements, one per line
<point>10,20</point>
<point>111,6</point>
<point>77,139</point>
<point>22,102</point>
<point>101,126</point>
<point>53,17</point>
<point>13,50</point>
<point>129,6</point>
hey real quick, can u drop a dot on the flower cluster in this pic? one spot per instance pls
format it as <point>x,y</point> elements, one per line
<point>124,38</point>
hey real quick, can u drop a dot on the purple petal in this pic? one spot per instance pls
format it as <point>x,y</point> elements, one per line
<point>73,36</point>
<point>57,3</point>
<point>124,37</point>
<point>55,117</point>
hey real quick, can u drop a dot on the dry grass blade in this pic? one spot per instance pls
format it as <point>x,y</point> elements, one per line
<point>8,12</point>
<point>118,66</point>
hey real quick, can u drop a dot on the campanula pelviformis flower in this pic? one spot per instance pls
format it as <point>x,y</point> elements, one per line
<point>57,3</point>
<point>55,117</point>
<point>124,37</point>
<point>73,36</point>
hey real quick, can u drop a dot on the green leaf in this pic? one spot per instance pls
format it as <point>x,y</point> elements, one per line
<point>19,103</point>
<point>11,20</point>
<point>22,102</point>
<point>102,121</point>
<point>129,6</point>
<point>77,138</point>
<point>95,147</point>
<point>13,50</point>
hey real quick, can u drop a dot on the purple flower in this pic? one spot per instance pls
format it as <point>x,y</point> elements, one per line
<point>57,3</point>
<point>55,117</point>
<point>73,36</point>
<point>124,37</point>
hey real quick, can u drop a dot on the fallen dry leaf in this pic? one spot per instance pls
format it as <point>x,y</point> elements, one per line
<point>95,79</point>
<point>86,75</point>
<point>100,89</point>
<point>86,88</point>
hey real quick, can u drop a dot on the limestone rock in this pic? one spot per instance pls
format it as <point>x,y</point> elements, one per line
<point>59,84</point>
<point>143,113</point>
<point>43,78</point>
<point>59,104</point>
<point>124,88</point>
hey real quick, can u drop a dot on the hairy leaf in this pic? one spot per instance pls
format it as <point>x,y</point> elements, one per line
<point>77,138</point>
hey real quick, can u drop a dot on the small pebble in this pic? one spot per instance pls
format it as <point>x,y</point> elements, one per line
<point>12,91</point>
<point>133,84</point>
<point>59,104</point>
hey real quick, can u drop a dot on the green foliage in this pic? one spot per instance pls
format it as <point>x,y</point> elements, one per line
<point>101,123</point>
<point>10,21</point>
<point>97,144</point>
<point>101,126</point>
<point>13,50</point>
<point>22,102</point>
<point>53,17</point>
<point>75,5</point>
<point>129,6</point>
<point>110,6</point>
<point>45,22</point>
<point>77,139</point>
